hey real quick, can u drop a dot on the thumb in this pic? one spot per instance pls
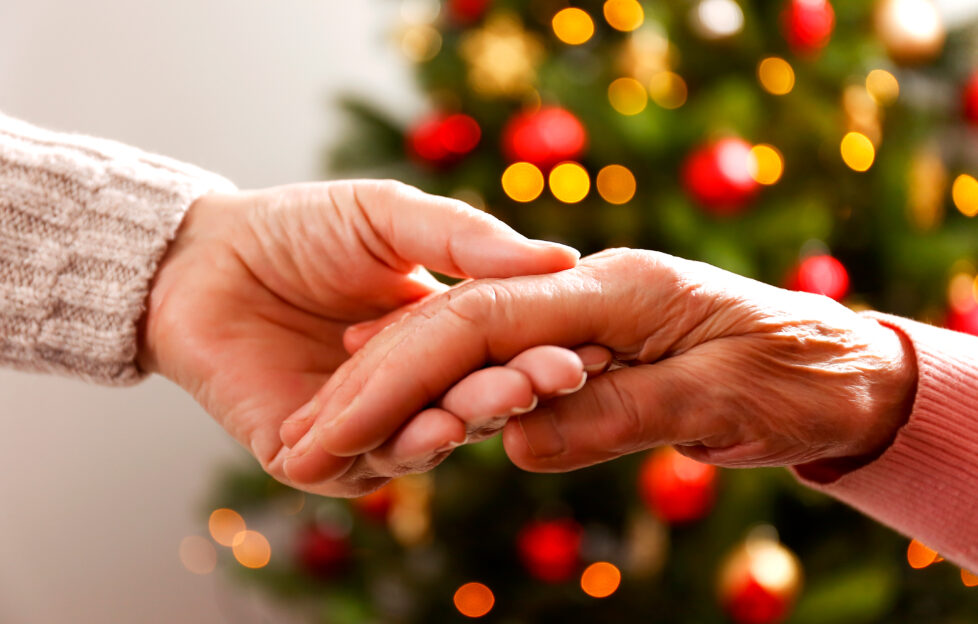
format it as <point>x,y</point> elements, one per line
<point>451,237</point>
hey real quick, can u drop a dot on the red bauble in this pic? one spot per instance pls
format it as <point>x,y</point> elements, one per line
<point>544,137</point>
<point>822,275</point>
<point>550,549</point>
<point>970,99</point>
<point>442,139</point>
<point>719,176</point>
<point>323,551</point>
<point>759,582</point>
<point>376,505</point>
<point>676,488</point>
<point>963,320</point>
<point>467,11</point>
<point>808,24</point>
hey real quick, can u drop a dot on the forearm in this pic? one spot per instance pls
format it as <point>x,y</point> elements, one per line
<point>83,225</point>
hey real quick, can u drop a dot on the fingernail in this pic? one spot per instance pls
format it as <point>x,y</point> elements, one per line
<point>343,415</point>
<point>516,411</point>
<point>448,447</point>
<point>552,245</point>
<point>303,446</point>
<point>579,385</point>
<point>541,433</point>
<point>304,413</point>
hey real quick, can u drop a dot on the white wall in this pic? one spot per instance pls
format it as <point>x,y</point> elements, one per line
<point>100,485</point>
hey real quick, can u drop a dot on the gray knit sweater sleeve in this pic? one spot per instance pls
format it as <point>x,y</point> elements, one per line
<point>83,224</point>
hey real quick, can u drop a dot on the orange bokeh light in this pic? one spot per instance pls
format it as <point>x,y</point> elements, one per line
<point>600,579</point>
<point>251,549</point>
<point>224,524</point>
<point>474,600</point>
<point>969,579</point>
<point>920,556</point>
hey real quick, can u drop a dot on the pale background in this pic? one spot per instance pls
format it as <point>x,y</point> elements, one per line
<point>101,485</point>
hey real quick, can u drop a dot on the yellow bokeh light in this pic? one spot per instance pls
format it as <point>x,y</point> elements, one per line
<point>421,43</point>
<point>883,86</point>
<point>474,600</point>
<point>600,579</point>
<point>968,578</point>
<point>624,15</point>
<point>961,292</point>
<point>224,524</point>
<point>627,96</point>
<point>616,184</point>
<point>569,182</point>
<point>573,26</point>
<point>858,151</point>
<point>964,192</point>
<point>251,549</point>
<point>523,182</point>
<point>668,90</point>
<point>198,554</point>
<point>920,556</point>
<point>776,75</point>
<point>768,164</point>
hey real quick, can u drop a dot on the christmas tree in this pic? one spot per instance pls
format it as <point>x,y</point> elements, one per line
<point>826,147</point>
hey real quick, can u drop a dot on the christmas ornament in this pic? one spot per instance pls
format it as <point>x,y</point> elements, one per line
<point>912,31</point>
<point>970,99</point>
<point>821,274</point>
<point>720,177</point>
<point>544,137</point>
<point>323,551</point>
<point>466,12</point>
<point>502,57</point>
<point>550,549</point>
<point>808,25</point>
<point>675,488</point>
<point>759,582</point>
<point>442,140</point>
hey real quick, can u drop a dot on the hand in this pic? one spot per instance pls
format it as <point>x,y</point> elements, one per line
<point>248,309</point>
<point>732,371</point>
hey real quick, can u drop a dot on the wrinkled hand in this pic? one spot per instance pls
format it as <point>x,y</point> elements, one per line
<point>731,371</point>
<point>248,309</point>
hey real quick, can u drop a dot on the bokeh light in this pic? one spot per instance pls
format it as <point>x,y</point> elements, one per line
<point>616,184</point>
<point>717,19</point>
<point>224,524</point>
<point>968,578</point>
<point>573,26</point>
<point>883,86</point>
<point>776,75</point>
<point>420,42</point>
<point>569,182</point>
<point>523,182</point>
<point>964,192</point>
<point>198,554</point>
<point>251,549</point>
<point>624,15</point>
<point>920,556</point>
<point>668,90</point>
<point>627,96</point>
<point>961,292</point>
<point>768,165</point>
<point>474,600</point>
<point>858,151</point>
<point>600,579</point>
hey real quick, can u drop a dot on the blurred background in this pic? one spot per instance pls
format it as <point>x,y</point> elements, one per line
<point>828,147</point>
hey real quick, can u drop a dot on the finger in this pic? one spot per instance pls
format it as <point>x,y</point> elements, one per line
<point>423,442</point>
<point>552,371</point>
<point>595,358</point>
<point>490,394</point>
<point>308,463</point>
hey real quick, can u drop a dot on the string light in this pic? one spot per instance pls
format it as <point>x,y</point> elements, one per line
<point>717,19</point>
<point>776,75</point>
<point>573,26</point>
<point>224,524</point>
<point>768,165</point>
<point>251,549</point>
<point>197,554</point>
<point>627,96</point>
<point>858,151</point>
<point>920,556</point>
<point>968,578</point>
<point>569,182</point>
<point>964,192</point>
<point>523,182</point>
<point>668,90</point>
<point>624,15</point>
<point>474,600</point>
<point>600,579</point>
<point>616,184</point>
<point>883,86</point>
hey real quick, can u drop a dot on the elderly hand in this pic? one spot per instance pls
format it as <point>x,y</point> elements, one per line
<point>732,371</point>
<point>248,309</point>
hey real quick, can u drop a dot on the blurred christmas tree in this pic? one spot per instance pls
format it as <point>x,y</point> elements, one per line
<point>816,146</point>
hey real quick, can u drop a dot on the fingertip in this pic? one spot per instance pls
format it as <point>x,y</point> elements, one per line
<point>595,358</point>
<point>490,393</point>
<point>552,370</point>
<point>315,466</point>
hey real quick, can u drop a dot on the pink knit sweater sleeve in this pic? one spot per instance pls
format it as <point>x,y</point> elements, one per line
<point>926,484</point>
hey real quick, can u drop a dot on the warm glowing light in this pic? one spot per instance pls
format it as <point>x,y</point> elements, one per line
<point>474,600</point>
<point>569,182</point>
<point>627,96</point>
<point>420,11</point>
<point>600,579</point>
<point>768,165</point>
<point>883,86</point>
<point>624,15</point>
<point>523,182</point>
<point>920,556</point>
<point>961,292</point>
<point>668,90</point>
<point>717,19</point>
<point>573,26</point>
<point>198,554</point>
<point>224,524</point>
<point>251,549</point>
<point>776,75</point>
<point>964,192</point>
<point>968,578</point>
<point>858,151</point>
<point>420,43</point>
<point>616,184</point>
